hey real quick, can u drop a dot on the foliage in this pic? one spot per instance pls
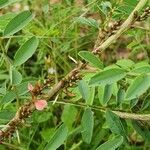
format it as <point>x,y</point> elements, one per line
<point>41,41</point>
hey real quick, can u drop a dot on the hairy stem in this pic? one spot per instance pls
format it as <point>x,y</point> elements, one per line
<point>121,114</point>
<point>124,27</point>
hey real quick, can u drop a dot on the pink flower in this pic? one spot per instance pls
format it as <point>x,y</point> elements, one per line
<point>30,87</point>
<point>40,104</point>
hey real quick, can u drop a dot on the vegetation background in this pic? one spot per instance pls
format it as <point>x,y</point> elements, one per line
<point>43,47</point>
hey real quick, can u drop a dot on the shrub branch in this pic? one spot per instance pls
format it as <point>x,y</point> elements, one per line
<point>124,27</point>
<point>26,110</point>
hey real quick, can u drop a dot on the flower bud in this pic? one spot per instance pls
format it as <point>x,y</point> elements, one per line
<point>30,87</point>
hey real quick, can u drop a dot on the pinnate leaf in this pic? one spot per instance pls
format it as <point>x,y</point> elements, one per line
<point>108,76</point>
<point>18,22</point>
<point>115,123</point>
<point>58,138</point>
<point>138,87</point>
<point>91,58</point>
<point>26,51</point>
<point>87,124</point>
<point>112,144</point>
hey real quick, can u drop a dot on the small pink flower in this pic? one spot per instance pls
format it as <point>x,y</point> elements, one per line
<point>30,87</point>
<point>40,104</point>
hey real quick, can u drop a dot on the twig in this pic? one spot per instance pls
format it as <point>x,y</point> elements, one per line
<point>73,75</point>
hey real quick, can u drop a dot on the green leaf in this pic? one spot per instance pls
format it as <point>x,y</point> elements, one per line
<point>45,133</point>
<point>4,19</point>
<point>114,89</point>
<point>125,63</point>
<point>101,94</point>
<point>133,102</point>
<point>138,87</point>
<point>69,115</point>
<point>41,116</point>
<point>108,76</point>
<point>105,6</point>
<point>113,66</point>
<point>77,94</point>
<point>21,89</point>
<point>99,135</point>
<point>2,90</point>
<point>112,144</point>
<point>91,58</point>
<point>91,96</point>
<point>8,97</point>
<point>142,130</point>
<point>87,21</point>
<point>4,76</point>
<point>58,138</point>
<point>141,64</point>
<point>115,123</point>
<point>120,96</point>
<point>18,22</point>
<point>26,51</point>
<point>15,76</point>
<point>142,69</point>
<point>146,103</point>
<point>6,114</point>
<point>4,3</point>
<point>84,89</point>
<point>87,124</point>
<point>107,93</point>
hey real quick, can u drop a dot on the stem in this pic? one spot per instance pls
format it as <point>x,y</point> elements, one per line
<point>141,117</point>
<point>126,25</point>
<point>74,147</point>
<point>12,146</point>
<point>26,110</point>
<point>17,97</point>
<point>124,115</point>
